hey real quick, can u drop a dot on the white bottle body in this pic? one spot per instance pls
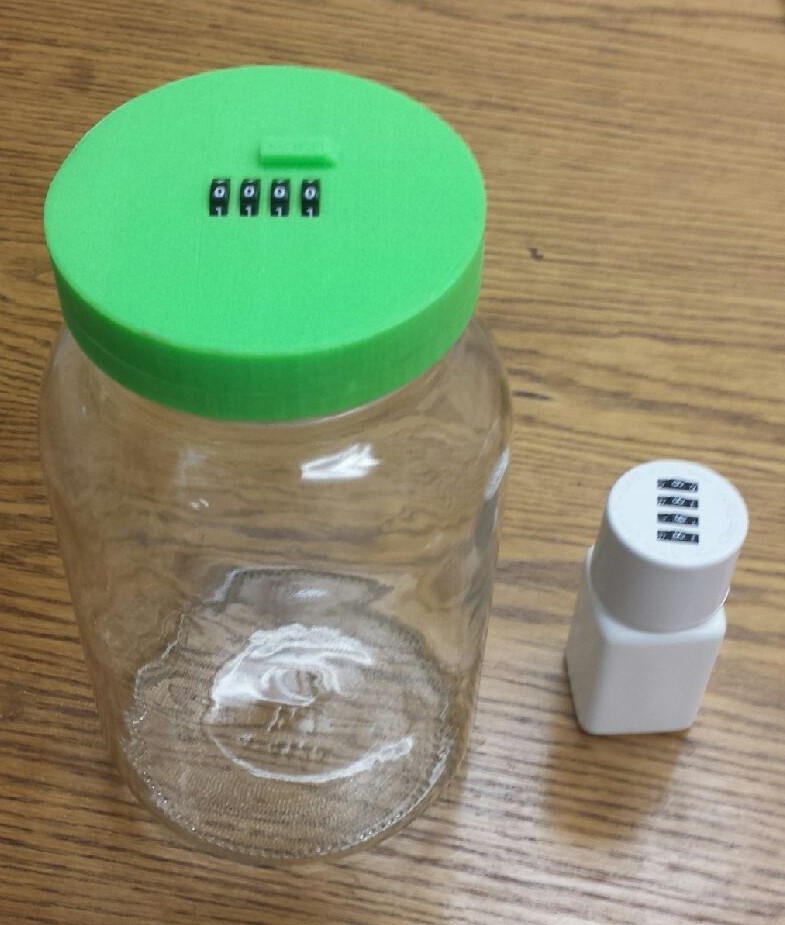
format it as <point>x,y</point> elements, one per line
<point>628,680</point>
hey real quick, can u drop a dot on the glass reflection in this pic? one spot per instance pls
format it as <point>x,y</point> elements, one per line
<point>354,462</point>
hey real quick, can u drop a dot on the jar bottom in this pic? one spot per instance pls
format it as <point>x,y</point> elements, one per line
<point>292,718</point>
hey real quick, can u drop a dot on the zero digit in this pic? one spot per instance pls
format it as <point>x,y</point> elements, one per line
<point>279,198</point>
<point>250,191</point>
<point>219,195</point>
<point>310,198</point>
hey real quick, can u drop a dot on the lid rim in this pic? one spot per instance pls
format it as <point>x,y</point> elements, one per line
<point>249,402</point>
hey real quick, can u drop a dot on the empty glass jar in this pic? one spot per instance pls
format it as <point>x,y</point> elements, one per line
<point>275,445</point>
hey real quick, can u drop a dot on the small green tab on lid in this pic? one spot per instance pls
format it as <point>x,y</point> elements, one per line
<point>267,243</point>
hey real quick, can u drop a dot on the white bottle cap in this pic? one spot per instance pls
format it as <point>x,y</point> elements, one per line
<point>668,545</point>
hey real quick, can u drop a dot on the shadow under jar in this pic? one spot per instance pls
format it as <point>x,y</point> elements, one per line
<point>276,469</point>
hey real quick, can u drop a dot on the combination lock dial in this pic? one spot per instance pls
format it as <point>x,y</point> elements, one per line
<point>250,195</point>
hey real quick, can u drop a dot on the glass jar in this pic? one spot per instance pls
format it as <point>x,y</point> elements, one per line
<point>283,608</point>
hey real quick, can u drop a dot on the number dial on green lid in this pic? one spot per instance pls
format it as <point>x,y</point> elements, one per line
<point>249,315</point>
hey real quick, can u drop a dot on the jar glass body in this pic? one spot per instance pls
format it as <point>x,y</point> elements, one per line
<point>283,624</point>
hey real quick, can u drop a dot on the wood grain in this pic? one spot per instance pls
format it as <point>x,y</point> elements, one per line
<point>634,159</point>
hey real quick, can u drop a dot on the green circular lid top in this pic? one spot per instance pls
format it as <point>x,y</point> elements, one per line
<point>267,243</point>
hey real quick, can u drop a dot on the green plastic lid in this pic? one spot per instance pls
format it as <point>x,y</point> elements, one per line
<point>267,243</point>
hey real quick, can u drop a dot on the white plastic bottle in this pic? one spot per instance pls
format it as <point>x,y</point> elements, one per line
<point>649,619</point>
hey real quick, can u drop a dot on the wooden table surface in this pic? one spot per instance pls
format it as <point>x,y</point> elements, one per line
<point>635,164</point>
